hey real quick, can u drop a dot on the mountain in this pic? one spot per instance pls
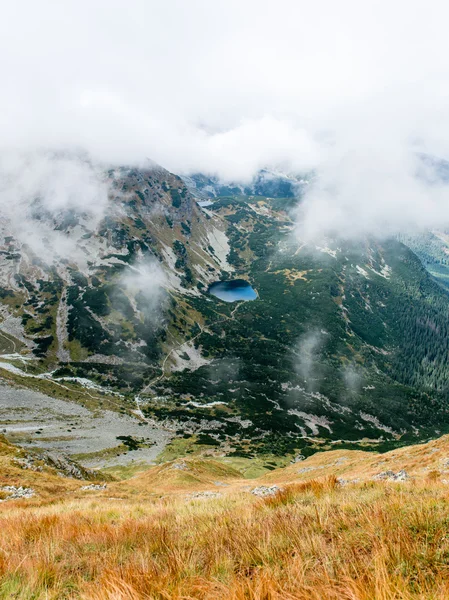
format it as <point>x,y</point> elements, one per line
<point>82,286</point>
<point>432,248</point>
<point>266,182</point>
<point>346,344</point>
<point>106,307</point>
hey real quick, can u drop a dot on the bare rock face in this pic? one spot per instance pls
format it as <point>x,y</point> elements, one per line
<point>64,466</point>
<point>67,467</point>
<point>59,265</point>
<point>298,458</point>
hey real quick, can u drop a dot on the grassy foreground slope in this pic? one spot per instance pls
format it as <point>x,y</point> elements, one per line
<point>160,535</point>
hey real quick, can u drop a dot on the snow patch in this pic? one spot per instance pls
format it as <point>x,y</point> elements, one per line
<point>219,242</point>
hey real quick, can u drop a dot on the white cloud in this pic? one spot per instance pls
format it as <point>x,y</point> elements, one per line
<point>57,181</point>
<point>352,89</point>
<point>306,356</point>
<point>36,191</point>
<point>146,280</point>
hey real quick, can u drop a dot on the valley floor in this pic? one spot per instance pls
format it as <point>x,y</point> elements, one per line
<point>92,435</point>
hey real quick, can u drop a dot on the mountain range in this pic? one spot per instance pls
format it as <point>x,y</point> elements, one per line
<point>346,344</point>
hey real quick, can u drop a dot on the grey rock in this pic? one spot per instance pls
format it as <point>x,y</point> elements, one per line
<point>181,466</point>
<point>385,475</point>
<point>17,492</point>
<point>264,490</point>
<point>343,482</point>
<point>298,458</point>
<point>401,475</point>
<point>94,487</point>
<point>28,463</point>
<point>195,495</point>
<point>67,467</point>
<point>305,470</point>
<point>64,465</point>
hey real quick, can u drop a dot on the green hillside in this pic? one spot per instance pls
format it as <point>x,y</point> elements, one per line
<point>346,344</point>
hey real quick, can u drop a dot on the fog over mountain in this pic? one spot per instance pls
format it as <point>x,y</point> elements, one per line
<point>351,91</point>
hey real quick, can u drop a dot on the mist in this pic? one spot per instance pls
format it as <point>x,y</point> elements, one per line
<point>353,379</point>
<point>352,92</point>
<point>145,281</point>
<point>37,191</point>
<point>306,358</point>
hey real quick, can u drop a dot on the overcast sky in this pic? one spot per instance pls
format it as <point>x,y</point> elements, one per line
<point>352,89</point>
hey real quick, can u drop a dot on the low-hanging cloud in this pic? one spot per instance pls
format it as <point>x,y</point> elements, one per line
<point>373,191</point>
<point>306,357</point>
<point>38,190</point>
<point>57,181</point>
<point>351,91</point>
<point>145,281</point>
<point>352,379</point>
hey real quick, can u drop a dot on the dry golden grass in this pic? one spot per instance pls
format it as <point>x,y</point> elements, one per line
<point>47,483</point>
<point>418,460</point>
<point>145,538</point>
<point>292,275</point>
<point>172,476</point>
<point>315,541</point>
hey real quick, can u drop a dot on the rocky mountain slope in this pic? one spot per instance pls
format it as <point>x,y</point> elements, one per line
<point>346,344</point>
<point>222,476</point>
<point>99,284</point>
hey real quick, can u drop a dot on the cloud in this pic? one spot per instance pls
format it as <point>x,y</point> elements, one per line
<point>306,357</point>
<point>350,90</point>
<point>372,191</point>
<point>145,281</point>
<point>353,379</point>
<point>57,181</point>
<point>37,192</point>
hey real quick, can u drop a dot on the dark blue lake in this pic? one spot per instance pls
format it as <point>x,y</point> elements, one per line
<point>231,291</point>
